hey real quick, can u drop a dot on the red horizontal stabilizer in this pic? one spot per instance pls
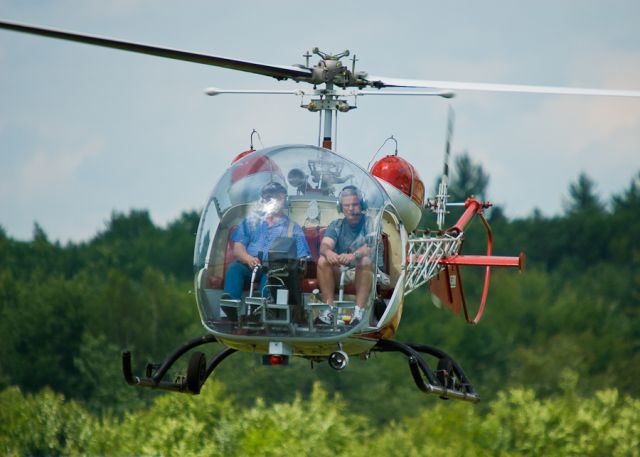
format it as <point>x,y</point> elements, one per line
<point>486,260</point>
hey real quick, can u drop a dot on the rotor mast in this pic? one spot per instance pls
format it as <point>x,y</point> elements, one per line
<point>327,139</point>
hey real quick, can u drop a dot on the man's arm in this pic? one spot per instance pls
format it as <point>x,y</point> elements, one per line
<point>327,247</point>
<point>240,253</point>
<point>302,247</point>
<point>326,250</point>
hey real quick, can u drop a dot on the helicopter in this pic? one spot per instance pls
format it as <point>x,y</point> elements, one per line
<point>280,321</point>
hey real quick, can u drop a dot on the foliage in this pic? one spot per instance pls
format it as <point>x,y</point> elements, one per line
<point>517,423</point>
<point>42,424</point>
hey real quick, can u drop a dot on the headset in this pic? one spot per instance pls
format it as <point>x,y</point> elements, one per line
<point>351,190</point>
<point>272,188</point>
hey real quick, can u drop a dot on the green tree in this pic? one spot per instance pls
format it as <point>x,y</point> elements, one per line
<point>43,321</point>
<point>582,196</point>
<point>42,424</point>
<point>469,179</point>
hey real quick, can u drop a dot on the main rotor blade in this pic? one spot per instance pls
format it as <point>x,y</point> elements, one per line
<point>276,71</point>
<point>381,82</point>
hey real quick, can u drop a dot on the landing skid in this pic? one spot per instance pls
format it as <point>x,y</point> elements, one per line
<point>448,382</point>
<point>197,370</point>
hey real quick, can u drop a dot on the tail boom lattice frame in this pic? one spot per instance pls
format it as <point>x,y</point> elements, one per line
<point>429,255</point>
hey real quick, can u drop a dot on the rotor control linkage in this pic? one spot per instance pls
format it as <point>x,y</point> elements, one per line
<point>197,371</point>
<point>449,381</point>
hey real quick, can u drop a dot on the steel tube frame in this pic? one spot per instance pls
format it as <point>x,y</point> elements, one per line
<point>420,370</point>
<point>155,381</point>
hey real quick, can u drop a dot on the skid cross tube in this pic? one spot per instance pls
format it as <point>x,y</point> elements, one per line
<point>154,381</point>
<point>420,370</point>
<point>217,360</point>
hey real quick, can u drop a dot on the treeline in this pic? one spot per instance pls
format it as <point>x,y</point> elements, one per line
<point>66,312</point>
<point>130,243</point>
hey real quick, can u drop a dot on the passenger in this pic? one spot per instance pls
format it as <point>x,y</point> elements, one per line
<point>254,236</point>
<point>345,244</point>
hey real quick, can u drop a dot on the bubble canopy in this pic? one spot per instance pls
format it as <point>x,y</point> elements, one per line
<point>282,296</point>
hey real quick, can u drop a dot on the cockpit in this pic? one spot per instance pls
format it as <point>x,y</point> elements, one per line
<point>270,285</point>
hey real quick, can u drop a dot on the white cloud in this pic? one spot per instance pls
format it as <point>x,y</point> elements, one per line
<point>49,169</point>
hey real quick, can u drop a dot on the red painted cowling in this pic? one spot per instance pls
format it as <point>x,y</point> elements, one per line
<point>242,154</point>
<point>251,170</point>
<point>247,164</point>
<point>402,175</point>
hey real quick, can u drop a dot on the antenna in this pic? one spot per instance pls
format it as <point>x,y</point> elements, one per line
<point>391,138</point>
<point>255,132</point>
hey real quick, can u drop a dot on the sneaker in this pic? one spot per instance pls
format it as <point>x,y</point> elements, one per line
<point>325,317</point>
<point>358,314</point>
<point>383,279</point>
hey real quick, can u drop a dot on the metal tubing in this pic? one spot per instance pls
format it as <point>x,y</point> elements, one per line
<point>217,360</point>
<point>473,207</point>
<point>156,380</point>
<point>484,260</point>
<point>417,375</point>
<point>327,137</point>
<point>126,368</point>
<point>162,385</point>
<point>343,272</point>
<point>175,355</point>
<point>441,354</point>
<point>419,367</point>
<point>395,346</point>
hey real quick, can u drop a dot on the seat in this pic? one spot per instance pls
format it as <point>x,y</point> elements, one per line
<point>314,236</point>
<point>217,282</point>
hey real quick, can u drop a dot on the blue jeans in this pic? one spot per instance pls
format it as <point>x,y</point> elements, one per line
<point>237,274</point>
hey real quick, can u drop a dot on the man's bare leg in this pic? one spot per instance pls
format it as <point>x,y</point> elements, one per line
<point>326,280</point>
<point>363,279</point>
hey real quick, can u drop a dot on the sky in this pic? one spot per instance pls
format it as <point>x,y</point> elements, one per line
<point>86,131</point>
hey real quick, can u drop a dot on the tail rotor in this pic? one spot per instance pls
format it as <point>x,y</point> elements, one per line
<point>442,197</point>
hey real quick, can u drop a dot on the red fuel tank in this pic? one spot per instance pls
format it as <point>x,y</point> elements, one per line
<point>250,171</point>
<point>247,164</point>
<point>242,154</point>
<point>402,175</point>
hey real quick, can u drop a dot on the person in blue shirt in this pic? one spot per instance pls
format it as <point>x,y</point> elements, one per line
<point>254,236</point>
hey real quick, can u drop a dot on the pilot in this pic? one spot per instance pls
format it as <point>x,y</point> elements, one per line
<point>345,244</point>
<point>254,236</point>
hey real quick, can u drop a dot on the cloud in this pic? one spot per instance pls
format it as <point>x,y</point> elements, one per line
<point>46,169</point>
<point>596,132</point>
<point>46,162</point>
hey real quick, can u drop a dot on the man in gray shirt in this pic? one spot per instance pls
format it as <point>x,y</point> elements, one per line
<point>345,243</point>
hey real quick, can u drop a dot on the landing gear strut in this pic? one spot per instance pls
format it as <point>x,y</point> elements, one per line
<point>197,370</point>
<point>449,381</point>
